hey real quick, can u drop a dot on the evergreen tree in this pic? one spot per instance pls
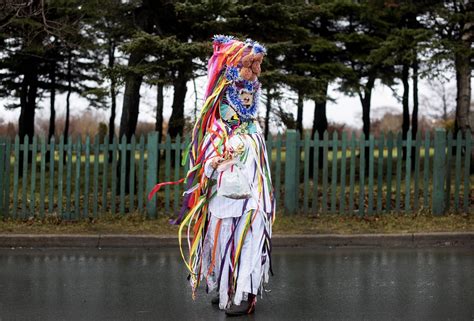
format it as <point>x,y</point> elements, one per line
<point>365,27</point>
<point>111,25</point>
<point>404,44</point>
<point>452,21</point>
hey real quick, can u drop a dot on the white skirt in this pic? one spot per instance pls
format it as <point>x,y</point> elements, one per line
<point>251,270</point>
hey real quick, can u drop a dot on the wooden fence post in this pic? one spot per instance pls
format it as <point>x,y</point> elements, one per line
<point>151,172</point>
<point>439,172</point>
<point>3,173</point>
<point>291,173</point>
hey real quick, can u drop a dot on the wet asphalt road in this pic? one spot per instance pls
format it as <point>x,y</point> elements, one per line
<point>309,284</point>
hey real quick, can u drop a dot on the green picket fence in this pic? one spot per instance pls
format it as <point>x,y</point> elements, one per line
<point>347,175</point>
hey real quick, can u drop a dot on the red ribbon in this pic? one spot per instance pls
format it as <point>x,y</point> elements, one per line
<point>158,186</point>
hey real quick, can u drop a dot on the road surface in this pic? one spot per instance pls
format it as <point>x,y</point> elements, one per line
<point>309,284</point>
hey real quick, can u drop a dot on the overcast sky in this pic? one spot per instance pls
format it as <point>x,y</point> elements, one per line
<point>344,110</point>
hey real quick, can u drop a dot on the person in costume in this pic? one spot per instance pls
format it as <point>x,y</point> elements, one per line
<point>229,204</point>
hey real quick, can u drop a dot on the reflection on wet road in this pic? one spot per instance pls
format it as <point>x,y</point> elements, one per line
<point>309,284</point>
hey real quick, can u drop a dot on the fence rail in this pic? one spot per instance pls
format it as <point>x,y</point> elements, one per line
<point>347,175</point>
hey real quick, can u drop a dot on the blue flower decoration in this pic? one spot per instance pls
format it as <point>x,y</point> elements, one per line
<point>249,85</point>
<point>222,38</point>
<point>258,48</point>
<point>232,73</point>
<point>249,41</point>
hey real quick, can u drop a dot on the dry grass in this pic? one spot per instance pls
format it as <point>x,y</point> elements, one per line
<point>335,224</point>
<point>295,224</point>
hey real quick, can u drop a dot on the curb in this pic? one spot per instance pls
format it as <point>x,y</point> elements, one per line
<point>454,239</point>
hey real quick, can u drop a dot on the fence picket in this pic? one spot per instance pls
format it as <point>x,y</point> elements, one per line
<point>177,162</point>
<point>152,171</point>
<point>292,158</point>
<point>388,198</point>
<point>306,174</point>
<point>42,175</point>
<point>105,174</point>
<point>7,177</point>
<point>123,168</point>
<point>457,171</point>
<point>399,172</point>
<point>352,174</point>
<point>131,188</point>
<point>316,145</point>
<point>467,168</point>
<point>370,205</point>
<point>87,156</point>
<point>15,177</point>
<point>334,172</point>
<point>51,174</point>
<point>95,188</point>
<point>69,177</point>
<point>362,175</point>
<point>426,169</point>
<point>167,172</point>
<point>278,169</point>
<point>324,204</point>
<point>3,157</point>
<point>24,181</point>
<point>269,145</point>
<point>113,174</point>
<point>77,180</point>
<point>342,198</point>
<point>380,158</point>
<point>416,178</point>
<point>408,171</point>
<point>34,148</point>
<point>60,176</point>
<point>141,172</point>
<point>439,172</point>
<point>449,145</point>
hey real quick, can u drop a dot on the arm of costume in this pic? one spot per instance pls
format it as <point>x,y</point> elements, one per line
<point>209,156</point>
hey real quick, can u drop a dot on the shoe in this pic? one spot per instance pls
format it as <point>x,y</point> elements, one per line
<point>247,307</point>
<point>215,300</point>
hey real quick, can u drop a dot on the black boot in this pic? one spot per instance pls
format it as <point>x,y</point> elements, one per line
<point>246,307</point>
<point>215,300</point>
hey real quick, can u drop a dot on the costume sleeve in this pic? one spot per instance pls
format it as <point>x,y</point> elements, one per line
<point>208,156</point>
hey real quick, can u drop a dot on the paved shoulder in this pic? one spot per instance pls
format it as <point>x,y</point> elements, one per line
<point>464,239</point>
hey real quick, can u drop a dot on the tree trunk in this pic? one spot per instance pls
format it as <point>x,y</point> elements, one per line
<point>52,117</point>
<point>113,97</point>
<point>366,104</point>
<point>176,123</point>
<point>299,113</point>
<point>68,97</point>
<point>320,120</point>
<point>320,124</point>
<point>405,103</point>
<point>414,115</point>
<point>131,98</point>
<point>463,96</point>
<point>159,120</point>
<point>130,109</point>
<point>267,113</point>
<point>26,122</point>
<point>159,110</point>
<point>29,91</point>
<point>365,99</point>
